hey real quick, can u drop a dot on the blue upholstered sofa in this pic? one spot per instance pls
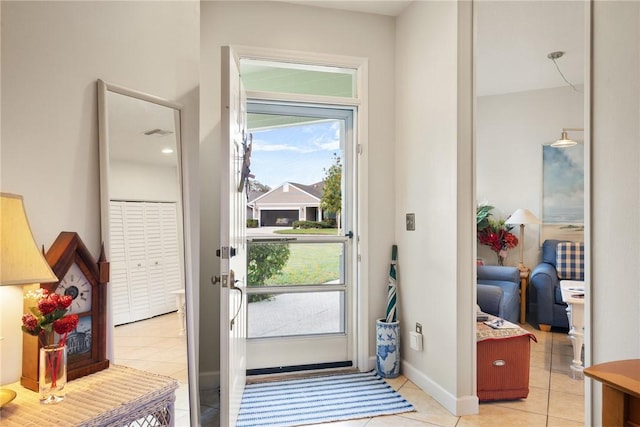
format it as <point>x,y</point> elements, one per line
<point>545,296</point>
<point>499,291</point>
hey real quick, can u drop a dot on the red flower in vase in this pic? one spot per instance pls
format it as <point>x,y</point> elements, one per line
<point>66,324</point>
<point>48,315</point>
<point>497,235</point>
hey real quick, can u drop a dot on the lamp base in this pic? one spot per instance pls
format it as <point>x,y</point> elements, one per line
<point>6,396</point>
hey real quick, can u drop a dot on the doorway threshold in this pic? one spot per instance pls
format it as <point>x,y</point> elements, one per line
<point>299,371</point>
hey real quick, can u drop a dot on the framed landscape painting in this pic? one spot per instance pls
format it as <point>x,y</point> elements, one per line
<point>563,193</point>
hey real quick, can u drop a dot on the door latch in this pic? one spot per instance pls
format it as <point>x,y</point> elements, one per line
<point>226,252</point>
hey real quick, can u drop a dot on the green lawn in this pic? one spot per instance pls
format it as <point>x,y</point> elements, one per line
<point>310,263</point>
<point>315,231</point>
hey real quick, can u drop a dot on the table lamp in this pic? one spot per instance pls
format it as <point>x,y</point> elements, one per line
<point>522,217</point>
<point>21,263</point>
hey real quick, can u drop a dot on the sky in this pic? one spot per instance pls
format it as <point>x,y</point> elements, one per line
<point>297,153</point>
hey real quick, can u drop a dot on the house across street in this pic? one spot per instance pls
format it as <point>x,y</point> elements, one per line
<point>285,204</point>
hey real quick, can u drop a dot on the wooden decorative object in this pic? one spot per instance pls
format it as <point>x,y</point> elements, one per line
<point>85,280</point>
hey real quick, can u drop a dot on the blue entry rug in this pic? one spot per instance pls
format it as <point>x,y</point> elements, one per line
<point>317,400</point>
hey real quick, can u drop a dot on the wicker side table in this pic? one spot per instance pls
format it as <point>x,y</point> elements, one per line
<point>115,396</point>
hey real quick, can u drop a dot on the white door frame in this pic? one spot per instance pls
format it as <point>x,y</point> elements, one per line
<point>360,101</point>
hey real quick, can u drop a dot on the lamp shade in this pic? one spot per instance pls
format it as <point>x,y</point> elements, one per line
<point>564,141</point>
<point>20,260</point>
<point>522,216</point>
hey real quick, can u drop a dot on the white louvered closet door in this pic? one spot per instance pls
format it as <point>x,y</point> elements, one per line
<point>171,254</point>
<point>136,251</point>
<point>119,270</point>
<point>153,246</point>
<point>145,259</point>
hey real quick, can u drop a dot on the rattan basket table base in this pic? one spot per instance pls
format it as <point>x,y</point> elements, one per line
<point>117,396</point>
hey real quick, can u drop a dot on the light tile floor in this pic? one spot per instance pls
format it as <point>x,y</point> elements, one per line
<point>154,345</point>
<point>555,399</point>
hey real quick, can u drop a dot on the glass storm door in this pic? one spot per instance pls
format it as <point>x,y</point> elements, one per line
<point>300,223</point>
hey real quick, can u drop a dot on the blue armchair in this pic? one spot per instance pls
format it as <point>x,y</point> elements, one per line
<point>545,297</point>
<point>499,291</point>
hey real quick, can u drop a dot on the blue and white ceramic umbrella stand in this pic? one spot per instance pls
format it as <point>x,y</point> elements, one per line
<point>388,329</point>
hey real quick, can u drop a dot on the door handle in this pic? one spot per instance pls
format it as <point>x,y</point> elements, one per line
<point>232,286</point>
<point>215,280</point>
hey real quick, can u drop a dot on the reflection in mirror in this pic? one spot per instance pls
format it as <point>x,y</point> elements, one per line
<point>527,92</point>
<point>143,233</point>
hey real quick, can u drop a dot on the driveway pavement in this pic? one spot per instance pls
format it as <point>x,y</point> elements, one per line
<point>296,314</point>
<point>261,231</point>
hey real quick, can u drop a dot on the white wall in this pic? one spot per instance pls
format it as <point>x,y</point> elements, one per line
<point>317,30</point>
<point>52,55</point>
<point>615,304</point>
<point>433,178</point>
<point>510,131</point>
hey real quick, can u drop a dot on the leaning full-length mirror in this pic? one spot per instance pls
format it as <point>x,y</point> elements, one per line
<point>144,236</point>
<point>532,98</point>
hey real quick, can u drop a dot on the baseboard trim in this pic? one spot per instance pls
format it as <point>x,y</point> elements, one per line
<point>458,406</point>
<point>371,363</point>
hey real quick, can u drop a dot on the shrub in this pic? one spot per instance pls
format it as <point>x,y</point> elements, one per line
<point>329,223</point>
<point>314,224</point>
<point>265,260</point>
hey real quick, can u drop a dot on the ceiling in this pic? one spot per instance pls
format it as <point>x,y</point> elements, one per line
<point>513,40</point>
<point>515,37</point>
<point>139,130</point>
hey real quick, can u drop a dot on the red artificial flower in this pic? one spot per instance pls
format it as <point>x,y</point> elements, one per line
<point>497,236</point>
<point>29,322</point>
<point>64,301</point>
<point>48,304</point>
<point>66,324</point>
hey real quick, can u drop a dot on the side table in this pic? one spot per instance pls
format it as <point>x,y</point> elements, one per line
<point>620,391</point>
<point>180,305</point>
<point>524,284</point>
<point>115,396</point>
<point>573,295</point>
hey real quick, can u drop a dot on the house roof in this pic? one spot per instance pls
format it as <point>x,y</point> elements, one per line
<point>313,189</point>
<point>301,194</point>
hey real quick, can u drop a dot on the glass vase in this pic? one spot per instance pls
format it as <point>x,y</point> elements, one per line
<point>52,373</point>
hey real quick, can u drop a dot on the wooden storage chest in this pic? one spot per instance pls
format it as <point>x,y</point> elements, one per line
<point>503,363</point>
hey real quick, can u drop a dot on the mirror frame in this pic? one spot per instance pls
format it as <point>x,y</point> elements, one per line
<point>103,140</point>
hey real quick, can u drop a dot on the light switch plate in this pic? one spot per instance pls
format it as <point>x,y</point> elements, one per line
<point>415,341</point>
<point>411,222</point>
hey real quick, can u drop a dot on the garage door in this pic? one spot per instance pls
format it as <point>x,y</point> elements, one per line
<point>278,218</point>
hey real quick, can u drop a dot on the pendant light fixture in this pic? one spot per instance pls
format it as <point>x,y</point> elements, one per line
<point>564,140</point>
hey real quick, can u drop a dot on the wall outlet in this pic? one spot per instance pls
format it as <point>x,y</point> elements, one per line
<point>411,222</point>
<point>418,328</point>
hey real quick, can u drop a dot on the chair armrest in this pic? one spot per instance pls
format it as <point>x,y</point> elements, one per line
<point>544,275</point>
<point>499,273</point>
<point>489,298</point>
<point>544,278</point>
